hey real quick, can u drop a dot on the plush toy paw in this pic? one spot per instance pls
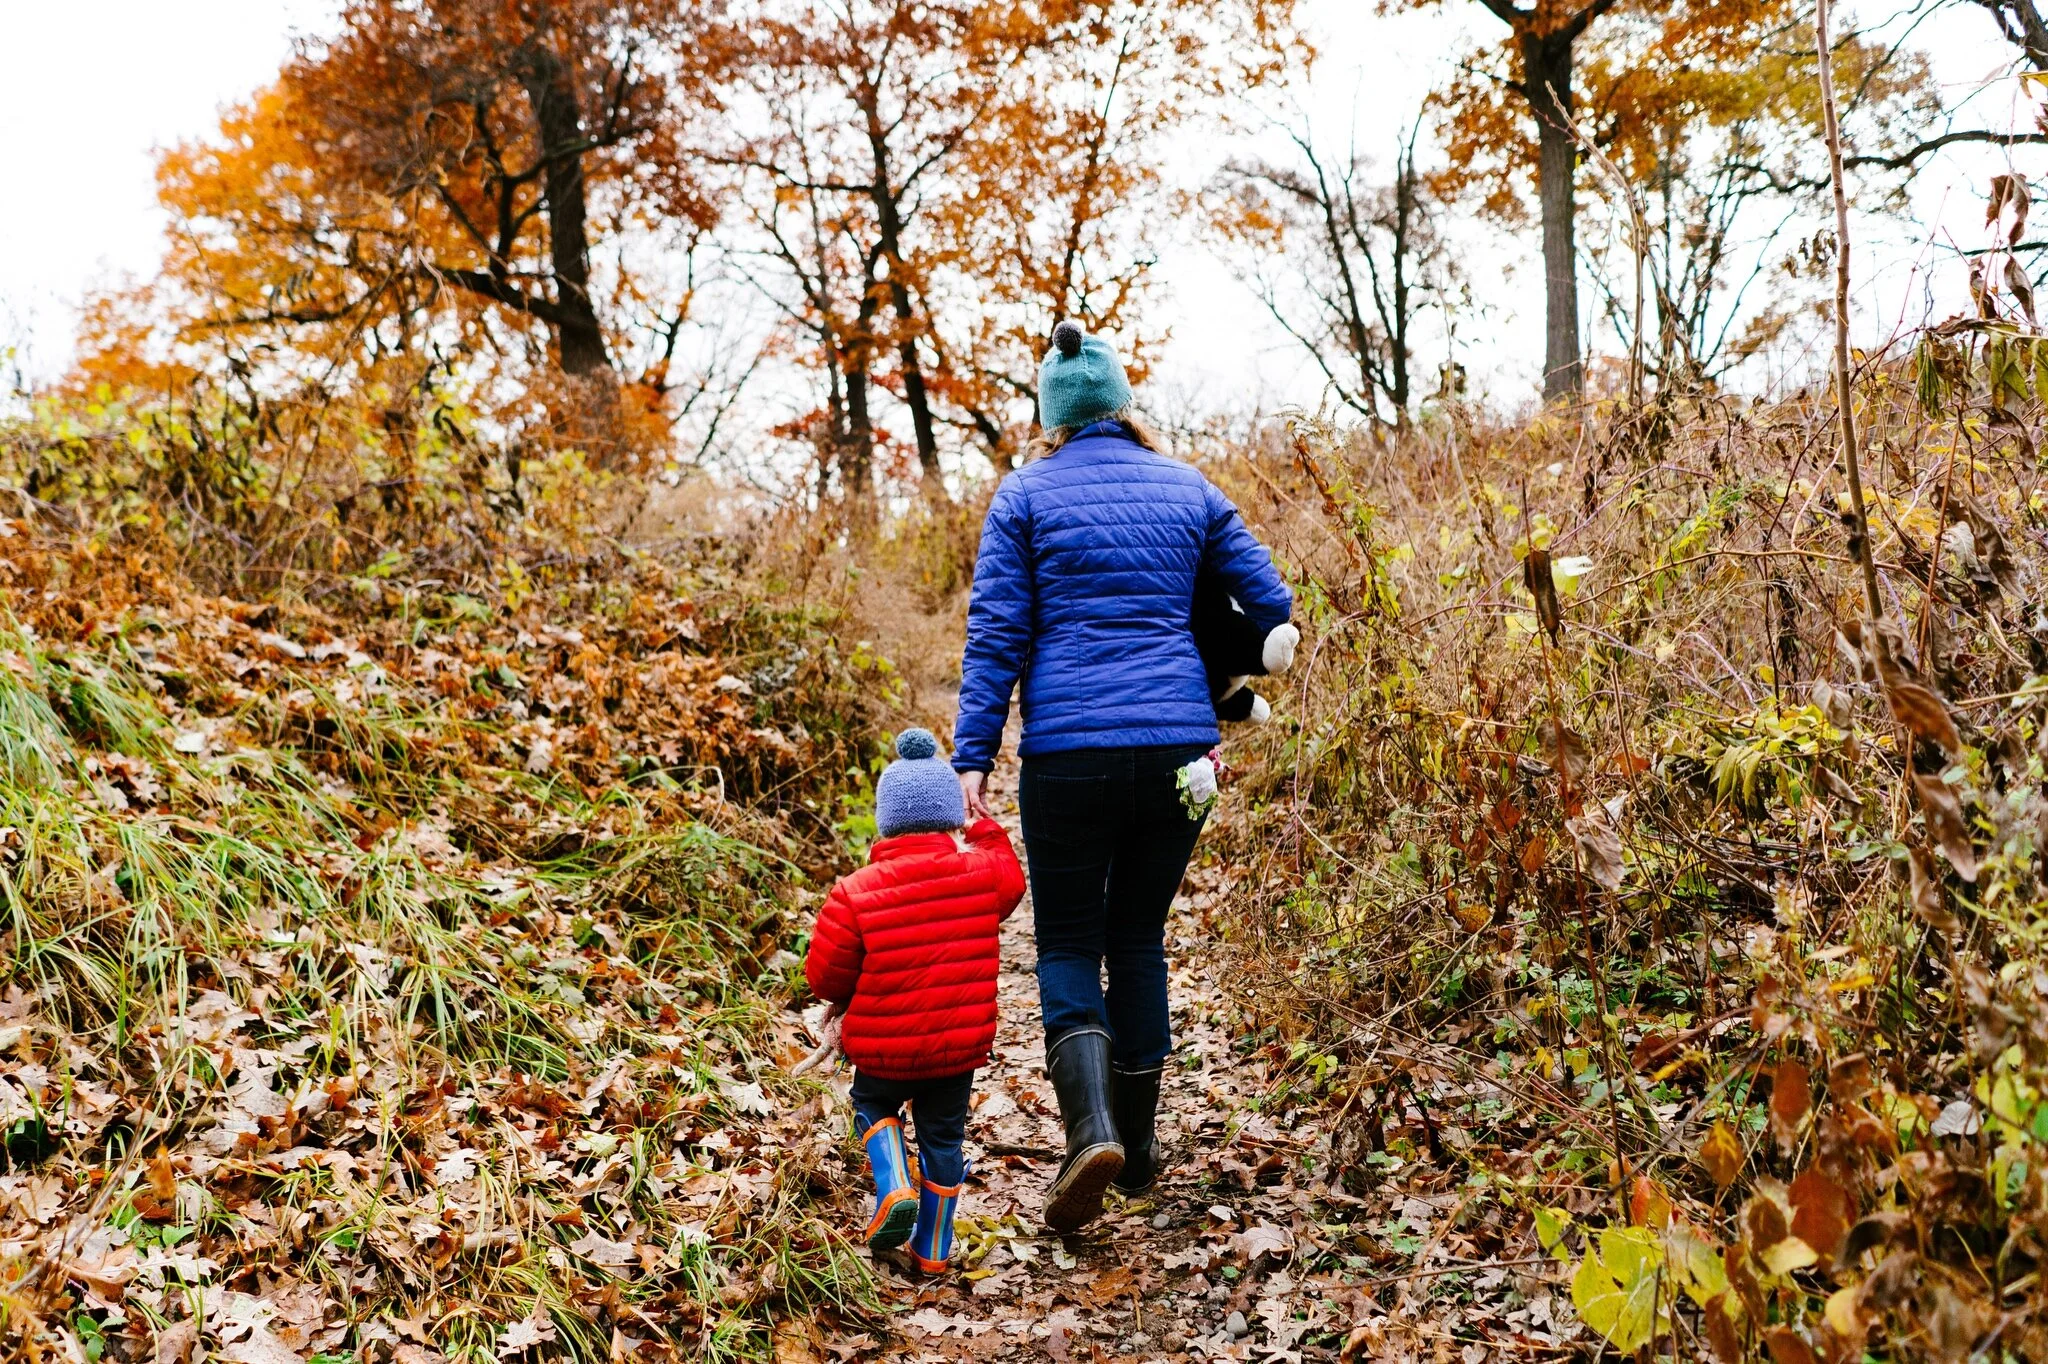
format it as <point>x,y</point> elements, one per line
<point>1238,704</point>
<point>1278,653</point>
<point>1261,712</point>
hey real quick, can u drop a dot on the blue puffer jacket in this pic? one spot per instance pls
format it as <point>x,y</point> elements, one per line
<point>1084,586</point>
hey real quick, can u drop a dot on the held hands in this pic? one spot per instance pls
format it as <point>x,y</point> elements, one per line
<point>974,790</point>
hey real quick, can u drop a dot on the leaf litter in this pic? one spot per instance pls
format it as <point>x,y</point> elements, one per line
<point>401,989</point>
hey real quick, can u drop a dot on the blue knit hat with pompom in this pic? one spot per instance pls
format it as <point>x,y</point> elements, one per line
<point>918,793</point>
<point>1081,380</point>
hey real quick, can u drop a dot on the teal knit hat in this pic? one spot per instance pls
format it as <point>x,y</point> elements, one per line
<point>1080,380</point>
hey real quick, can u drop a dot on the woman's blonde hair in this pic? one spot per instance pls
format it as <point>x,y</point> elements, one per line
<point>1050,439</point>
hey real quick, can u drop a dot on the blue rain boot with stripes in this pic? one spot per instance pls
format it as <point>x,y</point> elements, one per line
<point>931,1241</point>
<point>896,1201</point>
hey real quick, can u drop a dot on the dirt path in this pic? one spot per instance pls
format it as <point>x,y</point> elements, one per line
<point>1250,1248</point>
<point>1205,1267</point>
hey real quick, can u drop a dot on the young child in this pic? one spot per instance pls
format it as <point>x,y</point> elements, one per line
<point>905,949</point>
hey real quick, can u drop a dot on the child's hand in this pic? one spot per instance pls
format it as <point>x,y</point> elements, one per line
<point>833,1009</point>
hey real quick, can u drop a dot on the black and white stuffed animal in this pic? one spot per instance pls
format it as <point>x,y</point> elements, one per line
<point>1234,651</point>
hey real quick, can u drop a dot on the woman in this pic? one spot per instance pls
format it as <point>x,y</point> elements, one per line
<point>1083,591</point>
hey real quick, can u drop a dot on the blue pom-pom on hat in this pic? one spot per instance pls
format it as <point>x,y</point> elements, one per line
<point>918,793</point>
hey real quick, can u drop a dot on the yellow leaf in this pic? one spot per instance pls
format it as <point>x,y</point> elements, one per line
<point>1615,1288</point>
<point>1922,522</point>
<point>1696,1262</point>
<point>1842,1315</point>
<point>1721,1154</point>
<point>1568,571</point>
<point>1551,1225</point>
<point>1788,1255</point>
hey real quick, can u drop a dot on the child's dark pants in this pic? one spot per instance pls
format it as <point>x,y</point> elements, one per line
<point>938,1110</point>
<point>1107,840</point>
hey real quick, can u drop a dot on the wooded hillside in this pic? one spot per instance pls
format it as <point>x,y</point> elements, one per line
<point>452,617</point>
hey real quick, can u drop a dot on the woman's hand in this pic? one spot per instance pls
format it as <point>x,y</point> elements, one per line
<point>974,790</point>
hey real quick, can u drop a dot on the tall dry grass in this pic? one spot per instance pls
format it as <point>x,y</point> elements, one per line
<point>1569,881</point>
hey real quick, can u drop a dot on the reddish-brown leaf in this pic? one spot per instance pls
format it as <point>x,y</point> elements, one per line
<point>163,1180</point>
<point>1648,1205</point>
<point>1735,1262</point>
<point>174,1343</point>
<point>1763,1224</point>
<point>1895,1280</point>
<point>1849,1078</point>
<point>795,1343</point>
<point>1722,1337</point>
<point>1922,712</point>
<point>1656,1049</point>
<point>1559,744</point>
<point>2009,191</point>
<point>1505,815</point>
<point>1944,811</point>
<point>1629,764</point>
<point>1787,1346</point>
<point>1872,1233</point>
<point>1470,917</point>
<point>1536,577</point>
<point>1924,884</point>
<point>1791,1098</point>
<point>1598,840</point>
<point>2020,286</point>
<point>1954,1321</point>
<point>1994,555</point>
<point>1821,1210</point>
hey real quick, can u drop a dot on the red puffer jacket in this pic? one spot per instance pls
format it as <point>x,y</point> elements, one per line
<point>910,941</point>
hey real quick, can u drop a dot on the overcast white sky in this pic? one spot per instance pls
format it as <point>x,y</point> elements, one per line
<point>89,89</point>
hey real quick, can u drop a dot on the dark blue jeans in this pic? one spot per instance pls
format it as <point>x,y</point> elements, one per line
<point>938,1110</point>
<point>1107,841</point>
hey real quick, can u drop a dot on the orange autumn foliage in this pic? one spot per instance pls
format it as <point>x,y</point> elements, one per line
<point>511,200</point>
<point>425,193</point>
<point>933,187</point>
<point>1654,83</point>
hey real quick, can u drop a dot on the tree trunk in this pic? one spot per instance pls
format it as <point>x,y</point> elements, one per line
<point>992,436</point>
<point>1547,73</point>
<point>857,447</point>
<point>1404,229</point>
<point>2024,26</point>
<point>579,338</point>
<point>920,405</point>
<point>889,237</point>
<point>591,416</point>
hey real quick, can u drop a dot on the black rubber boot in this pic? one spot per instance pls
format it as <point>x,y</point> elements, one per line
<point>1136,1105</point>
<point>1078,1062</point>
